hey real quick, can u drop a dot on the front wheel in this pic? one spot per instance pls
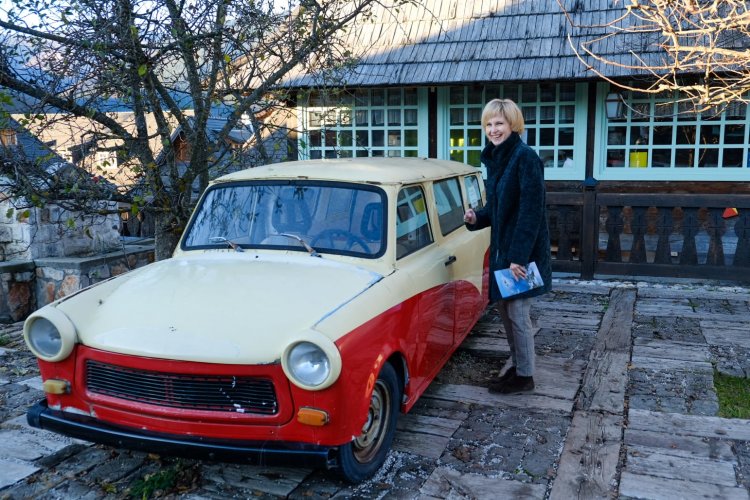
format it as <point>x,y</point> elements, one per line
<point>362,457</point>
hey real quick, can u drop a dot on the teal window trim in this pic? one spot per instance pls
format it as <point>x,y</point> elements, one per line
<point>424,119</point>
<point>370,122</point>
<point>454,139</point>
<point>662,144</point>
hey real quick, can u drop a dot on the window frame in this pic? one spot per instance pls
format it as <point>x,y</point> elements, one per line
<point>675,120</point>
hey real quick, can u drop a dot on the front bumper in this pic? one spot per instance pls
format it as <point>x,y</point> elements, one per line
<point>252,452</point>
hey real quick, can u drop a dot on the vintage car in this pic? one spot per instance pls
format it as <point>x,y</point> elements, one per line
<point>307,304</point>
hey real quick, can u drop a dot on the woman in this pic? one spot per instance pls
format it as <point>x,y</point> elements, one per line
<point>517,215</point>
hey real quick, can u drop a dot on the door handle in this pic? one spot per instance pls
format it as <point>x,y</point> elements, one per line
<point>450,260</point>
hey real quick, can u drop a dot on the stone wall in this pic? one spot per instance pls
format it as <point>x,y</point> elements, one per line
<point>29,285</point>
<point>50,231</point>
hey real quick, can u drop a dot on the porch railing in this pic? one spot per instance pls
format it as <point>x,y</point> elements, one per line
<point>673,235</point>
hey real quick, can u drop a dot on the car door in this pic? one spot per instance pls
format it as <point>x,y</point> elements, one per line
<point>424,261</point>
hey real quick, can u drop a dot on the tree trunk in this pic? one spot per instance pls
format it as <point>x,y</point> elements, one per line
<point>166,235</point>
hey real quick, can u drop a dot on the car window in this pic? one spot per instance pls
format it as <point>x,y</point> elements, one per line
<point>412,223</point>
<point>473,193</point>
<point>449,206</point>
<point>337,218</point>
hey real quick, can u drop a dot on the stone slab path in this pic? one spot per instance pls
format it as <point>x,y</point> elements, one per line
<point>624,407</point>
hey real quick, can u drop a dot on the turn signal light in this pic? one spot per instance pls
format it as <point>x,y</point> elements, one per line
<point>54,386</point>
<point>312,416</point>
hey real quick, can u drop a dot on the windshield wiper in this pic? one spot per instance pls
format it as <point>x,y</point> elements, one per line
<point>302,242</point>
<point>234,246</point>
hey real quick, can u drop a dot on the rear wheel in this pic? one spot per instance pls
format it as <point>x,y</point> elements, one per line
<point>362,457</point>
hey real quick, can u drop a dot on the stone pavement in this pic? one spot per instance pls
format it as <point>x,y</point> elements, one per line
<point>624,407</point>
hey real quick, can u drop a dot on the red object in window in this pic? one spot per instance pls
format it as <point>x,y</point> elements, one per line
<point>730,212</point>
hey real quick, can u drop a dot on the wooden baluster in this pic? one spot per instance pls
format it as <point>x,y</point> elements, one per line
<point>614,229</point>
<point>742,230</point>
<point>563,242</point>
<point>715,227</point>
<point>689,254</point>
<point>664,227</point>
<point>638,225</point>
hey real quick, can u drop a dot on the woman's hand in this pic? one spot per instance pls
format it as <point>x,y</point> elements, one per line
<point>470,217</point>
<point>518,271</point>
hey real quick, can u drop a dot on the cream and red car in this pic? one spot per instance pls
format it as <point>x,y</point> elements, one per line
<point>306,305</point>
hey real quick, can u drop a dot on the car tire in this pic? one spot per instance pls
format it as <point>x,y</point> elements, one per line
<point>363,456</point>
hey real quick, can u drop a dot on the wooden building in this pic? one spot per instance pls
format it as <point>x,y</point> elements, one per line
<point>643,191</point>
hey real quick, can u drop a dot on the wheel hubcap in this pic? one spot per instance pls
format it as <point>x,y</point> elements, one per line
<point>367,444</point>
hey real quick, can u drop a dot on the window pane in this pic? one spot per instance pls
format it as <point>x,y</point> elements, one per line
<point>616,136</point>
<point>475,95</point>
<point>708,158</point>
<point>316,155</point>
<point>528,93</point>
<point>394,137</point>
<point>663,135</point>
<point>410,117</point>
<point>330,138</point>
<point>457,138</point>
<point>475,137</point>
<point>531,137</point>
<point>567,92</point>
<point>394,117</point>
<point>410,97</point>
<point>345,117</point>
<point>394,97</point>
<point>378,138</point>
<point>567,114</point>
<point>474,116</point>
<point>449,205</point>
<point>662,158</point>
<point>457,95</point>
<point>362,97</point>
<point>547,92</point>
<point>684,158</point>
<point>363,138</point>
<point>361,117</point>
<point>565,137</point>
<point>734,134</point>
<point>345,153</point>
<point>457,116</point>
<point>345,138</point>
<point>566,157</point>
<point>547,114</point>
<point>529,114</point>
<point>457,155</point>
<point>412,224</point>
<point>394,153</point>
<point>411,153</point>
<point>686,134</point>
<point>615,158</point>
<point>378,97</point>
<point>547,137</point>
<point>316,119</point>
<point>473,158</point>
<point>732,158</point>
<point>315,139</point>
<point>410,138</point>
<point>377,117</point>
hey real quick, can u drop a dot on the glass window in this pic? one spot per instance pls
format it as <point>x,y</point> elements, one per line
<point>412,223</point>
<point>665,133</point>
<point>473,192</point>
<point>549,112</point>
<point>377,118</point>
<point>449,205</point>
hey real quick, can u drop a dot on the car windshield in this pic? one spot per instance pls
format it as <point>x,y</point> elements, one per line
<point>324,217</point>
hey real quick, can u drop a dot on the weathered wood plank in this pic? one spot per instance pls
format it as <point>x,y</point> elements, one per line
<point>685,446</point>
<point>663,364</point>
<point>555,306</point>
<point>581,287</point>
<point>426,424</point>
<point>686,312</point>
<point>420,444</point>
<point>685,351</point>
<point>658,488</point>
<point>588,464</point>
<point>606,376</point>
<point>257,478</point>
<point>647,461</point>
<point>448,483</point>
<point>736,333</point>
<point>689,425</point>
<point>480,395</point>
<point>731,294</point>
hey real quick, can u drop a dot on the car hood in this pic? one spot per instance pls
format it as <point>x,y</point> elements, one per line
<point>222,307</point>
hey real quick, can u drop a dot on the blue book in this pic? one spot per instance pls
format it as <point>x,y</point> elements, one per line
<point>510,287</point>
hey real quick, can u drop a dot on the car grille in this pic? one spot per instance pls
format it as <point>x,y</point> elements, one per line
<point>222,393</point>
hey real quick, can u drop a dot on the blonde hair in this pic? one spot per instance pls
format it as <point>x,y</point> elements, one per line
<point>508,110</point>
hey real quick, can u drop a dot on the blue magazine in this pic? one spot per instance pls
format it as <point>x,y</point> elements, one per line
<point>510,287</point>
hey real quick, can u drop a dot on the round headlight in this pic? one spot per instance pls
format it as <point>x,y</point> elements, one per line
<point>45,338</point>
<point>50,334</point>
<point>309,364</point>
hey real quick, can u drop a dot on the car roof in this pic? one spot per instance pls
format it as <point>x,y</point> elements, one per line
<point>370,170</point>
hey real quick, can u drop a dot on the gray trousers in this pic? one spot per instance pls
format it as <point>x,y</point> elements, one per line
<point>520,332</point>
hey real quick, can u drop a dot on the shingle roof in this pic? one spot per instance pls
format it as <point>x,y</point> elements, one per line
<point>452,41</point>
